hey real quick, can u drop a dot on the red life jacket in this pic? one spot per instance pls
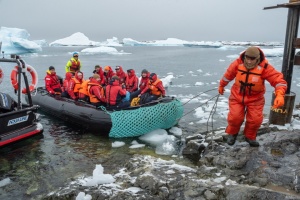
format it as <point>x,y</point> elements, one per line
<point>75,65</point>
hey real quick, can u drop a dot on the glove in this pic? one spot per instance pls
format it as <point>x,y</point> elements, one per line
<point>279,100</point>
<point>221,90</point>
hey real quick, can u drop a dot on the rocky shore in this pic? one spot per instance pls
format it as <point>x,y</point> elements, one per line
<point>220,171</point>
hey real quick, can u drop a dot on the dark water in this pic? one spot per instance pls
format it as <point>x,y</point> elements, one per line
<point>41,164</point>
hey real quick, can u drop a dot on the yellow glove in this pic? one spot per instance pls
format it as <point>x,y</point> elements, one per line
<point>279,100</point>
<point>221,90</point>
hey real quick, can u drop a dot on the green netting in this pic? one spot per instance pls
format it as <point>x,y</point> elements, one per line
<point>136,122</point>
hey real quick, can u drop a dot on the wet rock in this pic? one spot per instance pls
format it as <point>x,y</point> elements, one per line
<point>194,149</point>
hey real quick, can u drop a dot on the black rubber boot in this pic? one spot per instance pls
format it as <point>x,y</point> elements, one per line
<point>253,143</point>
<point>231,139</point>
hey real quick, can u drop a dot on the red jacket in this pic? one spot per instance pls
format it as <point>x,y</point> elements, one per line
<point>96,92</point>
<point>66,82</point>
<point>51,82</point>
<point>132,81</point>
<point>74,84</point>
<point>100,73</point>
<point>114,93</point>
<point>144,82</point>
<point>107,76</point>
<point>122,75</point>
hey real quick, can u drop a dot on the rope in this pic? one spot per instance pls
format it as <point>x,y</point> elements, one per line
<point>211,115</point>
<point>201,104</point>
<point>199,95</point>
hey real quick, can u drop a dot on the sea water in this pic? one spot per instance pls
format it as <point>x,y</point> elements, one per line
<point>39,165</point>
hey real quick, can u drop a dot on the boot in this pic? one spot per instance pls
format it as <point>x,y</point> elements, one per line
<point>231,139</point>
<point>253,143</point>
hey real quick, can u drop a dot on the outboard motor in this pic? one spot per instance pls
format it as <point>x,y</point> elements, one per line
<point>6,103</point>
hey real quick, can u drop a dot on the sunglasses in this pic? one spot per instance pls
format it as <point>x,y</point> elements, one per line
<point>75,56</point>
<point>250,57</point>
<point>117,68</point>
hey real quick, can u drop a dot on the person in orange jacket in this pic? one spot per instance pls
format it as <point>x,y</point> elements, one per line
<point>250,70</point>
<point>66,85</point>
<point>154,89</point>
<point>96,91</point>
<point>83,94</point>
<point>132,81</point>
<point>52,82</point>
<point>75,85</point>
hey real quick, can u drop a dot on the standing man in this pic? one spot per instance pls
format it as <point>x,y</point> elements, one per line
<point>250,71</point>
<point>74,64</point>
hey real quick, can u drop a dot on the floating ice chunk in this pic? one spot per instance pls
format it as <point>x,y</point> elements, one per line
<point>133,190</point>
<point>168,147</point>
<point>82,196</point>
<point>4,182</point>
<point>135,145</point>
<point>155,137</point>
<point>99,177</point>
<point>176,131</point>
<point>117,144</point>
<point>167,80</point>
<point>199,83</point>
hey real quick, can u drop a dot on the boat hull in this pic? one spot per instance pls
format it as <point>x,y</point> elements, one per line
<point>130,122</point>
<point>18,125</point>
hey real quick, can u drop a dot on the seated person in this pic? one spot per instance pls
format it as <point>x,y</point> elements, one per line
<point>96,91</point>
<point>52,82</point>
<point>132,81</point>
<point>154,89</point>
<point>121,74</point>
<point>66,85</point>
<point>75,85</point>
<point>98,70</point>
<point>107,75</point>
<point>114,94</point>
<point>144,82</point>
<point>83,94</point>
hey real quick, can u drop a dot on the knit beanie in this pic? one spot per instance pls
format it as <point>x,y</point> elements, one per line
<point>75,53</point>
<point>51,67</point>
<point>252,52</point>
<point>144,71</point>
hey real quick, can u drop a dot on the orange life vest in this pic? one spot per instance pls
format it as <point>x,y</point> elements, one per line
<point>93,98</point>
<point>153,88</point>
<point>250,80</point>
<point>84,87</point>
<point>74,65</point>
<point>77,86</point>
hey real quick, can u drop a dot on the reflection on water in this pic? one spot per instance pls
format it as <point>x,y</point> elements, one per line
<point>41,164</point>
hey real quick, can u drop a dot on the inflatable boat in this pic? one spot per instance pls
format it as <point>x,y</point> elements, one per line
<point>130,122</point>
<point>17,120</point>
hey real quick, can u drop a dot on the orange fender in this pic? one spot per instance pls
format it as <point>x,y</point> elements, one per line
<point>14,79</point>
<point>1,75</point>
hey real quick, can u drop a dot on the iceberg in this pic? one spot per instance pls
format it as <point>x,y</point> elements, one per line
<point>15,41</point>
<point>167,42</point>
<point>114,42</point>
<point>76,39</point>
<point>103,50</point>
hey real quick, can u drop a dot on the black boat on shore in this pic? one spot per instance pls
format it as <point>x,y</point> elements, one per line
<point>130,122</point>
<point>18,120</point>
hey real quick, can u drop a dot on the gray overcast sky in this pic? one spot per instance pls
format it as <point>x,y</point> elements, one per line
<point>237,20</point>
